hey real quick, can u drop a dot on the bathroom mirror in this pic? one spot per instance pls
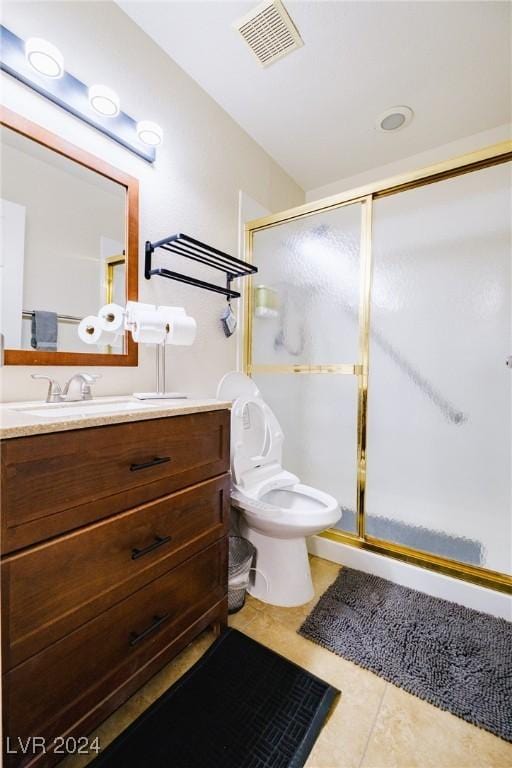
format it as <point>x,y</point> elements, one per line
<point>69,245</point>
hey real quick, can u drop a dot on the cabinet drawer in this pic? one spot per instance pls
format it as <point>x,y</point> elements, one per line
<point>56,688</point>
<point>53,483</point>
<point>51,589</point>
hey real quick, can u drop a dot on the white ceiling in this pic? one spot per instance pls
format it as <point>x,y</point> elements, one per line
<point>314,111</point>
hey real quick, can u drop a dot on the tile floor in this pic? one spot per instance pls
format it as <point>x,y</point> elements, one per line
<point>374,725</point>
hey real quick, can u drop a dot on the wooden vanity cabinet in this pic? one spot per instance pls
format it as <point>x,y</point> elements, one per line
<point>114,558</point>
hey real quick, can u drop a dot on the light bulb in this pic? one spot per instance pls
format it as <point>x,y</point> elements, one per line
<point>149,133</point>
<point>44,57</point>
<point>104,100</point>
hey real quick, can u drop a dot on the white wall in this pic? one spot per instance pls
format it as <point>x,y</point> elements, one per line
<point>248,210</point>
<point>414,162</point>
<point>206,158</point>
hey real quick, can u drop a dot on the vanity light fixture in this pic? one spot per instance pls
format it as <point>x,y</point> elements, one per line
<point>44,57</point>
<point>149,133</point>
<point>104,100</point>
<point>40,65</point>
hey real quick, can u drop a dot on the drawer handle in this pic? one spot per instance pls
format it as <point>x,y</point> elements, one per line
<point>157,622</point>
<point>152,463</point>
<point>158,542</point>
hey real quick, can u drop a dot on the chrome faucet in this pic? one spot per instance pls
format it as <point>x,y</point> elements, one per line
<point>77,388</point>
<point>54,391</point>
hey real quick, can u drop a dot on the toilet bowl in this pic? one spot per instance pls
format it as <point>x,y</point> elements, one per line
<point>277,510</point>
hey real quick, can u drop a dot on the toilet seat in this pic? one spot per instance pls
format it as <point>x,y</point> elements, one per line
<point>308,511</point>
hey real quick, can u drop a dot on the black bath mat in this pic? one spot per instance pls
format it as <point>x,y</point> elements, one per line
<point>458,659</point>
<point>240,706</point>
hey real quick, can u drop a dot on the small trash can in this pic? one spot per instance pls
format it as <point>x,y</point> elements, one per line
<point>241,554</point>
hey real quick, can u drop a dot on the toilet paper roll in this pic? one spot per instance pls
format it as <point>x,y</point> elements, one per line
<point>182,331</point>
<point>111,317</point>
<point>133,309</point>
<point>170,312</point>
<point>149,327</point>
<point>91,332</point>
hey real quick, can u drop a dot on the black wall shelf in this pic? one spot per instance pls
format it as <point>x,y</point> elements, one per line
<point>186,246</point>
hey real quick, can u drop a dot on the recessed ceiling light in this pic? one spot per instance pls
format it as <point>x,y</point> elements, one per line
<point>149,133</point>
<point>394,119</point>
<point>44,57</point>
<point>104,100</point>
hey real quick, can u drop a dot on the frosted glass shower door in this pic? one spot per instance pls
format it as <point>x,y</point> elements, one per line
<point>312,266</point>
<point>439,397</point>
<point>306,343</point>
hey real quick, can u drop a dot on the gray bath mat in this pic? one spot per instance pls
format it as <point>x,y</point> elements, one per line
<point>458,659</point>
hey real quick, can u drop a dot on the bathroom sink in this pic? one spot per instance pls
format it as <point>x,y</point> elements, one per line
<point>82,409</point>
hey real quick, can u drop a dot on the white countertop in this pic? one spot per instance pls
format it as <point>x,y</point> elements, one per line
<point>15,422</point>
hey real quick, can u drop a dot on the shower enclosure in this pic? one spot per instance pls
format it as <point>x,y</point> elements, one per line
<point>379,330</point>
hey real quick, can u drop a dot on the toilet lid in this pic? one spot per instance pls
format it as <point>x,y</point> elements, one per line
<point>256,436</point>
<point>235,384</point>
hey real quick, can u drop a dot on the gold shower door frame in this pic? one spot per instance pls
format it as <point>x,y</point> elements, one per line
<point>364,196</point>
<point>111,262</point>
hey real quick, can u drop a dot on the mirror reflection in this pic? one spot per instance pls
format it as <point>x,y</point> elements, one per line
<point>63,246</point>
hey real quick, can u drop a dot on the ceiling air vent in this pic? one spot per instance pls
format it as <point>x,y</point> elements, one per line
<point>269,32</point>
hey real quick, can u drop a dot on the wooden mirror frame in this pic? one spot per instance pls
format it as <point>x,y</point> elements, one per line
<point>40,135</point>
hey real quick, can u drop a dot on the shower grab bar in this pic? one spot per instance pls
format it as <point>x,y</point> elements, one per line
<point>451,413</point>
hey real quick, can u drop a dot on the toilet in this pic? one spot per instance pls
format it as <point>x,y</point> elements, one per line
<point>277,510</point>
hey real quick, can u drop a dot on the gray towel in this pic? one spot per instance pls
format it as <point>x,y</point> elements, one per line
<point>44,330</point>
